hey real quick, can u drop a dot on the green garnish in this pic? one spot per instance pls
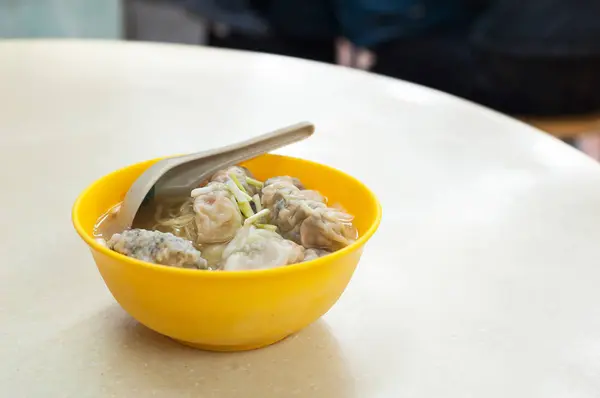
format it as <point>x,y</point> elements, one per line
<point>257,216</point>
<point>239,195</point>
<point>242,199</point>
<point>246,210</point>
<point>237,182</point>
<point>254,182</point>
<point>257,204</point>
<point>269,227</point>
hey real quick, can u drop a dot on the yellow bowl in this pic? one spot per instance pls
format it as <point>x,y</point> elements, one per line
<point>230,311</point>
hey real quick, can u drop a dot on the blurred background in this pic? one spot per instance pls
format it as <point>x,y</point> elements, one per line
<point>537,60</point>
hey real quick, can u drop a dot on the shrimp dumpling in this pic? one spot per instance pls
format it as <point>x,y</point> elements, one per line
<point>289,212</point>
<point>276,187</point>
<point>313,254</point>
<point>303,216</point>
<point>328,229</point>
<point>309,194</point>
<point>213,254</point>
<point>286,180</point>
<point>217,215</point>
<point>254,248</point>
<point>289,204</point>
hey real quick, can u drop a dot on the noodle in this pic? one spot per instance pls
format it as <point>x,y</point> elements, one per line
<point>179,220</point>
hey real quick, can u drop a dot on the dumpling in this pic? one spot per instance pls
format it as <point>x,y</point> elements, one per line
<point>276,187</point>
<point>313,254</point>
<point>290,211</point>
<point>254,248</point>
<point>309,194</point>
<point>303,217</point>
<point>286,180</point>
<point>213,254</point>
<point>217,215</point>
<point>284,186</point>
<point>157,247</point>
<point>327,228</point>
<point>241,173</point>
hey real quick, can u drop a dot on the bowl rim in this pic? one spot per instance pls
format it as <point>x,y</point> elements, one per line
<point>93,244</point>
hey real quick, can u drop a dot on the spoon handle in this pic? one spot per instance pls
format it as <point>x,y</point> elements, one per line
<point>257,145</point>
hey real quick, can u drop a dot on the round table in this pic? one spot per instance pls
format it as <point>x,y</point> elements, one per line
<point>483,280</point>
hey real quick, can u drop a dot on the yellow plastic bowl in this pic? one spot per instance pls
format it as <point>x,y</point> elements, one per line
<point>238,310</point>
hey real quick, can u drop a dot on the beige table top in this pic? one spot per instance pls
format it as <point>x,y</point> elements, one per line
<point>482,281</point>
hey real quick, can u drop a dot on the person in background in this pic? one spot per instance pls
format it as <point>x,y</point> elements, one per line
<point>534,57</point>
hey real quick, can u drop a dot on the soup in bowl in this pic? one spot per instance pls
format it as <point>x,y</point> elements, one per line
<point>234,304</point>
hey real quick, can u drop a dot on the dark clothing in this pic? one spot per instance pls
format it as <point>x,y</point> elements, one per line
<point>544,28</point>
<point>365,23</point>
<point>316,50</point>
<point>533,85</point>
<point>529,57</point>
